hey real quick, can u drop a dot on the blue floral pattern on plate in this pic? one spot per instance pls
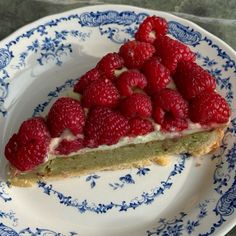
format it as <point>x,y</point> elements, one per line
<point>178,225</point>
<point>51,48</point>
<point>3,192</point>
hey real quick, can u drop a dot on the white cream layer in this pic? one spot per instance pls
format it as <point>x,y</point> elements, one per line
<point>153,136</point>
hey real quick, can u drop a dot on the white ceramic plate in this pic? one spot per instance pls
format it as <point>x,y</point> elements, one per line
<point>42,61</point>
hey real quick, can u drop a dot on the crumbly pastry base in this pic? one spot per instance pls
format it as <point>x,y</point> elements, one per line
<point>136,155</point>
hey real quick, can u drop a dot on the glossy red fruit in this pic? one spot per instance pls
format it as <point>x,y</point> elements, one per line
<point>104,126</point>
<point>209,108</point>
<point>68,146</point>
<point>150,28</point>
<point>135,53</point>
<point>158,76</point>
<point>109,63</point>
<point>129,80</point>
<point>140,126</point>
<point>191,79</point>
<point>137,104</point>
<point>28,148</point>
<point>172,51</point>
<point>101,93</point>
<point>33,130</point>
<point>86,79</point>
<point>66,113</point>
<point>174,124</point>
<point>170,110</point>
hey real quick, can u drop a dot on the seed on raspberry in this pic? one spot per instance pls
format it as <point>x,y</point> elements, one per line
<point>104,126</point>
<point>109,63</point>
<point>137,104</point>
<point>68,146</point>
<point>157,75</point>
<point>170,110</point>
<point>208,108</point>
<point>129,80</point>
<point>86,79</point>
<point>150,28</point>
<point>139,126</point>
<point>191,79</point>
<point>135,53</point>
<point>100,93</point>
<point>66,113</point>
<point>172,51</point>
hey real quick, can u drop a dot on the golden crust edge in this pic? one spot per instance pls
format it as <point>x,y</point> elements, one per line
<point>160,160</point>
<point>214,145</point>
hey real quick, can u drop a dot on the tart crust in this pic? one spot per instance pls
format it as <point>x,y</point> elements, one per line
<point>135,155</point>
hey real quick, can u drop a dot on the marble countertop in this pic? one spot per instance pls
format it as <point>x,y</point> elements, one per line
<point>216,16</point>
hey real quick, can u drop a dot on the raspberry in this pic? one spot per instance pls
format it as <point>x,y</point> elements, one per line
<point>191,79</point>
<point>33,130</point>
<point>68,146</point>
<point>157,75</point>
<point>150,28</point>
<point>170,110</point>
<point>137,104</point>
<point>129,80</point>
<point>100,93</point>
<point>139,126</point>
<point>104,126</point>
<point>172,51</point>
<point>28,148</point>
<point>11,152</point>
<point>66,113</point>
<point>158,114</point>
<point>135,53</point>
<point>86,80</point>
<point>109,63</point>
<point>210,107</point>
<point>27,157</point>
<point>174,124</point>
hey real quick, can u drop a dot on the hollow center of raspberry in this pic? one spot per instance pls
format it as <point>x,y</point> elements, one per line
<point>168,116</point>
<point>32,141</point>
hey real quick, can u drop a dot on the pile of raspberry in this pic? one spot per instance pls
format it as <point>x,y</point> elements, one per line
<point>153,79</point>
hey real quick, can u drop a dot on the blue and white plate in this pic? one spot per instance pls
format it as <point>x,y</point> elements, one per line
<point>42,61</point>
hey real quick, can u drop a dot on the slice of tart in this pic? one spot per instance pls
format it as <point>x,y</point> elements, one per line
<point>136,107</point>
